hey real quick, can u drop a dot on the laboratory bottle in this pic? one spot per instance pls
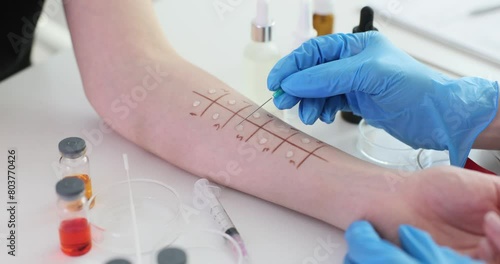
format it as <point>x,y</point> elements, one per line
<point>365,24</point>
<point>304,32</point>
<point>324,17</point>
<point>75,163</point>
<point>74,227</point>
<point>259,57</point>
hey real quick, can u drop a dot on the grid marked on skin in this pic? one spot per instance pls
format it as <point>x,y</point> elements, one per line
<point>212,103</point>
<point>259,128</point>
<point>262,127</point>
<point>310,153</point>
<point>286,140</point>
<point>235,114</point>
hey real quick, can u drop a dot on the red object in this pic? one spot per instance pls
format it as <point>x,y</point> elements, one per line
<point>471,165</point>
<point>75,238</point>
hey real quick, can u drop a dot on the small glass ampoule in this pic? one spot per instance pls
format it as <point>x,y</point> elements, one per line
<point>75,163</point>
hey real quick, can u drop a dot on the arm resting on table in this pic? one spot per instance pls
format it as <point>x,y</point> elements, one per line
<point>156,99</point>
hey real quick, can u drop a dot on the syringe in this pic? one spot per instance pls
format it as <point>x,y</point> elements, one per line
<point>205,190</point>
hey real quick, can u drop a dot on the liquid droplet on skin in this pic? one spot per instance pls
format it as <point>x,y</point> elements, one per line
<point>239,128</point>
<point>231,102</point>
<point>256,115</point>
<point>306,141</point>
<point>212,91</point>
<point>283,129</point>
<point>263,141</point>
<point>215,116</point>
<point>196,103</point>
<point>289,154</point>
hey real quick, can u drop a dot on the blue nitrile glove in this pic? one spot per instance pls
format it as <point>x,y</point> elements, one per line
<point>417,247</point>
<point>366,74</point>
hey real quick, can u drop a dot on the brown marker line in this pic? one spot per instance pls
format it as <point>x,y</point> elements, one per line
<point>213,102</point>
<point>310,153</point>
<point>235,113</point>
<point>259,128</point>
<point>286,140</point>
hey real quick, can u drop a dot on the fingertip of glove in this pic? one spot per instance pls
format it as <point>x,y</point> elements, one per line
<point>408,232</point>
<point>404,230</point>
<point>285,101</point>
<point>358,228</point>
<point>327,118</point>
<point>308,117</point>
<point>272,83</point>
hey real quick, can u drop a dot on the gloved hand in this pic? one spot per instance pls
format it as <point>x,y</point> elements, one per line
<point>417,247</point>
<point>364,73</point>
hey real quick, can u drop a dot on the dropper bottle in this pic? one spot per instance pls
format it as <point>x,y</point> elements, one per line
<point>324,17</point>
<point>304,32</point>
<point>260,55</point>
<point>365,24</point>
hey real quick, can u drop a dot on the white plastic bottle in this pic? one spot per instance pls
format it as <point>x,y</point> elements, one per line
<point>304,32</point>
<point>260,55</point>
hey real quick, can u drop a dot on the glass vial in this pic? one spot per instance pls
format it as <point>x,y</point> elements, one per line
<point>260,56</point>
<point>324,17</point>
<point>75,163</point>
<point>74,228</point>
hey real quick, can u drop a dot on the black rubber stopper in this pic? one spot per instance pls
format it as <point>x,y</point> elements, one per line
<point>72,147</point>
<point>70,187</point>
<point>365,24</point>
<point>172,256</point>
<point>365,20</point>
<point>119,261</point>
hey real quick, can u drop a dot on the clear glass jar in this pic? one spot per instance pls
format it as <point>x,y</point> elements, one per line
<point>75,163</point>
<point>74,228</point>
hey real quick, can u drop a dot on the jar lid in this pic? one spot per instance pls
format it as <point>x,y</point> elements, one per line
<point>70,187</point>
<point>119,261</point>
<point>72,147</point>
<point>172,256</point>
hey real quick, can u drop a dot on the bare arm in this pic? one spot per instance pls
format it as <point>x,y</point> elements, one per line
<point>490,137</point>
<point>151,96</point>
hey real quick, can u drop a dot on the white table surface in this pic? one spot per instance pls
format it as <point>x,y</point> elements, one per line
<point>44,104</point>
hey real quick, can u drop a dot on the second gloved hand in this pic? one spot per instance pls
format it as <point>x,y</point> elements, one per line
<point>366,74</point>
<point>417,247</point>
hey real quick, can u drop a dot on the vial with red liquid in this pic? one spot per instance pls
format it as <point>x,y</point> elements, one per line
<point>74,228</point>
<point>75,163</point>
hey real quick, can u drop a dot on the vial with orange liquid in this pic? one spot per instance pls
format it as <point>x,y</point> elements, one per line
<point>75,163</point>
<point>324,17</point>
<point>74,229</point>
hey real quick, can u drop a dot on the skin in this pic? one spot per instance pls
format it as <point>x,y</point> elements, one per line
<point>450,203</point>
<point>489,138</point>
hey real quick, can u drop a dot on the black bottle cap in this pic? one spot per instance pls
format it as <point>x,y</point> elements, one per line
<point>172,256</point>
<point>70,187</point>
<point>365,24</point>
<point>365,21</point>
<point>351,118</point>
<point>72,147</point>
<point>119,261</point>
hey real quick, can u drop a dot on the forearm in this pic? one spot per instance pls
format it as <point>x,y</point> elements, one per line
<point>190,118</point>
<point>490,137</point>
